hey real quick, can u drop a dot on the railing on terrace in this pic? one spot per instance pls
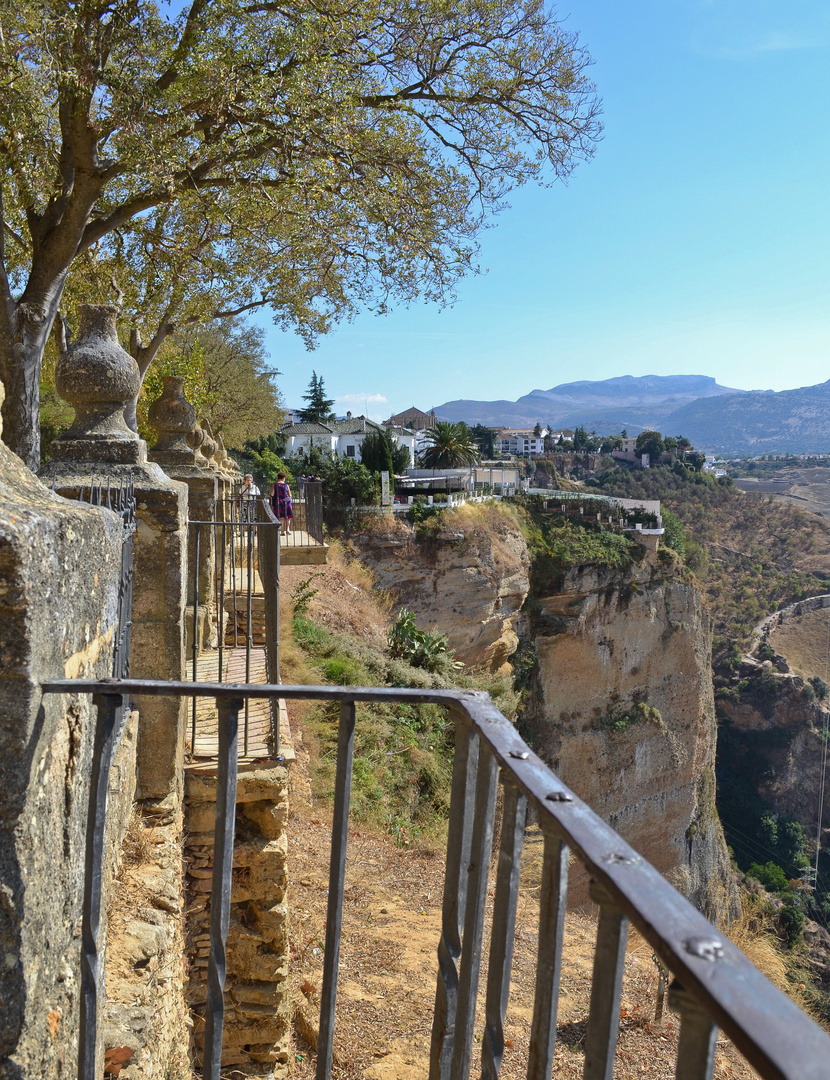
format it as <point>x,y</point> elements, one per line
<point>715,985</point>
<point>246,554</point>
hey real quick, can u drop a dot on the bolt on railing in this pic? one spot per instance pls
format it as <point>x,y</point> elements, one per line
<point>715,985</point>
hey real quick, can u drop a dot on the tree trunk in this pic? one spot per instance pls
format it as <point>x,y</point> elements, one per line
<point>21,355</point>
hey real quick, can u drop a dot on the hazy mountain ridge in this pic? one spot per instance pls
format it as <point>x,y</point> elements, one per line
<point>718,419</point>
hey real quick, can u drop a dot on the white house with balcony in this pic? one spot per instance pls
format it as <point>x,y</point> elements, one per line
<point>521,441</point>
<point>343,437</point>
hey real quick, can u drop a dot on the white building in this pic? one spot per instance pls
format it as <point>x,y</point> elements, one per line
<point>343,437</point>
<point>521,441</point>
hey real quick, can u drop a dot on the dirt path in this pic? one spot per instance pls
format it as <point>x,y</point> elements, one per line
<point>391,926</point>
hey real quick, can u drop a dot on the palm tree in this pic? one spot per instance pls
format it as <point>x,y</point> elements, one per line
<point>449,446</point>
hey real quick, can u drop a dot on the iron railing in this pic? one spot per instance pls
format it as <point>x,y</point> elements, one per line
<point>714,986</point>
<point>109,728</point>
<point>245,543</point>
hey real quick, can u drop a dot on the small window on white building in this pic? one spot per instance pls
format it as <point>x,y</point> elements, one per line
<point>350,451</point>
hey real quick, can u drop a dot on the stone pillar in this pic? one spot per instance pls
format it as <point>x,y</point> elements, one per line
<point>98,377</point>
<point>177,452</point>
<point>59,574</point>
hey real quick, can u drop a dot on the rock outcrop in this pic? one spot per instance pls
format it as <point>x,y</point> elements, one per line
<point>622,707</point>
<point>466,578</point>
<point>775,732</point>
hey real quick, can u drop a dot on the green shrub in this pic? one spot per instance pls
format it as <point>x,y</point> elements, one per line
<point>770,875</point>
<point>419,648</point>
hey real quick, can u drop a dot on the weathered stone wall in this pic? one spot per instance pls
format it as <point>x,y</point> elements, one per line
<point>59,570</point>
<point>467,579</point>
<point>257,1017</point>
<point>622,708</point>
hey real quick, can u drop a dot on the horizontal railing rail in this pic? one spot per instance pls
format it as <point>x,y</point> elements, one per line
<point>715,985</point>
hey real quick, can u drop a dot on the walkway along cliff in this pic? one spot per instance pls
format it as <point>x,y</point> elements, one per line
<point>616,664</point>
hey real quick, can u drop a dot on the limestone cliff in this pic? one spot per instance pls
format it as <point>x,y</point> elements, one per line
<point>620,699</point>
<point>466,576</point>
<point>622,707</point>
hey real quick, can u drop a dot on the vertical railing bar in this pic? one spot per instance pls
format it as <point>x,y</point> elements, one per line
<point>233,571</point>
<point>198,529</point>
<point>220,893</point>
<point>478,874</point>
<point>249,636</point>
<point>514,819</point>
<point>337,876</point>
<point>698,1037</point>
<point>459,840</point>
<point>108,708</point>
<point>215,565</point>
<point>606,988</point>
<point>277,733</point>
<point>222,602</point>
<point>549,957</point>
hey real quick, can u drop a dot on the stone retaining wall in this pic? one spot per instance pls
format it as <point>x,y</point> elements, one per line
<point>257,1017</point>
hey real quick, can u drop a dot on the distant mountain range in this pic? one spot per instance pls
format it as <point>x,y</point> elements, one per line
<point>718,419</point>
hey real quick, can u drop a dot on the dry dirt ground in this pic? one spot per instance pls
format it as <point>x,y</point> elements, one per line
<point>808,489</point>
<point>391,926</point>
<point>805,642</point>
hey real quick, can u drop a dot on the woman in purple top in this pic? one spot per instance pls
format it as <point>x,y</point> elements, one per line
<point>281,503</point>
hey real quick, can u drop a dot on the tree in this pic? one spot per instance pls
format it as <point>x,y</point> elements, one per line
<point>651,443</point>
<point>485,440</point>
<point>228,379</point>
<point>365,144</point>
<point>376,452</point>
<point>537,430</point>
<point>449,446</point>
<point>319,406</point>
<point>401,459</point>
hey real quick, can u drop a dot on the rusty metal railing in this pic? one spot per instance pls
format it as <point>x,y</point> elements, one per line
<point>714,984</point>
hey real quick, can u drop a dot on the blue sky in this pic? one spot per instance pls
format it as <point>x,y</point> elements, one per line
<point>696,241</point>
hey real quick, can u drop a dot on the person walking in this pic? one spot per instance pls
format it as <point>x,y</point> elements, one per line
<point>281,503</point>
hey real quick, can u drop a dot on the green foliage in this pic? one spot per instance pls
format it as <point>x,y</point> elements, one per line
<point>343,478</point>
<point>318,409</point>
<point>419,648</point>
<point>377,452</point>
<point>485,440</point>
<point>791,918</point>
<point>766,652</point>
<point>619,718</point>
<point>303,594</point>
<point>228,379</point>
<point>820,687</point>
<point>770,875</point>
<point>449,446</point>
<point>208,142</point>
<point>651,443</point>
<point>674,535</point>
<point>558,543</point>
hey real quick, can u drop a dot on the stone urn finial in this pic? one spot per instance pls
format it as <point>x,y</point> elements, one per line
<point>97,377</point>
<point>208,446</point>
<point>174,418</point>
<point>195,438</point>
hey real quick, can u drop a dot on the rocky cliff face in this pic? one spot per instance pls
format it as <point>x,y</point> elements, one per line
<point>466,578</point>
<point>621,700</point>
<point>622,707</point>
<point>775,739</point>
